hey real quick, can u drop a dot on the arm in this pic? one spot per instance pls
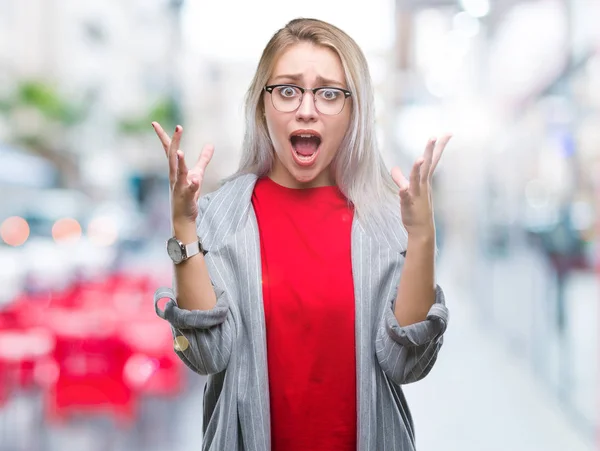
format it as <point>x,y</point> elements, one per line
<point>407,353</point>
<point>199,313</point>
<point>193,288</point>
<point>203,338</point>
<point>416,291</point>
<point>410,333</point>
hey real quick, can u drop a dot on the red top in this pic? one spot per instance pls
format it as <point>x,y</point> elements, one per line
<point>308,292</point>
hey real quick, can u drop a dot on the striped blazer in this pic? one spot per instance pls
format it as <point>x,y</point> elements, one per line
<point>227,343</point>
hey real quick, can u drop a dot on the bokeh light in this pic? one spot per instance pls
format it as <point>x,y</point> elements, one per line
<point>14,231</point>
<point>102,231</point>
<point>66,229</point>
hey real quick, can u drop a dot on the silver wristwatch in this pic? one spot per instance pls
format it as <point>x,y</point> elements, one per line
<point>180,252</point>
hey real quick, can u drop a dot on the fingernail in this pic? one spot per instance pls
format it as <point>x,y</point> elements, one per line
<point>178,128</point>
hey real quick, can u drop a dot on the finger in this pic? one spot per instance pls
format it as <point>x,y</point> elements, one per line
<point>194,182</point>
<point>415,176</point>
<point>182,170</point>
<point>176,140</point>
<point>399,178</point>
<point>437,152</point>
<point>402,182</point>
<point>194,187</point>
<point>162,135</point>
<point>205,156</point>
<point>427,160</point>
<point>172,153</point>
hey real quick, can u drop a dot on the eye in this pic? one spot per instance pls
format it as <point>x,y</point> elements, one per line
<point>288,91</point>
<point>329,94</point>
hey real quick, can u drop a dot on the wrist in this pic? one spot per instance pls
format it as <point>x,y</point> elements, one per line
<point>185,231</point>
<point>424,238</point>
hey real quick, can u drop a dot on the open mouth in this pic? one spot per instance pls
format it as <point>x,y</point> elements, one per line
<point>305,147</point>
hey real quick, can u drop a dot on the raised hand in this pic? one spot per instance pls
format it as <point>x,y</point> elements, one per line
<point>184,183</point>
<point>416,203</point>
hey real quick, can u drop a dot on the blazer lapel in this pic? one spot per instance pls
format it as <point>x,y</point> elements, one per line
<point>229,226</point>
<point>362,249</point>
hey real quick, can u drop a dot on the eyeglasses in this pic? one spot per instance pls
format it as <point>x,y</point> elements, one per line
<point>288,98</point>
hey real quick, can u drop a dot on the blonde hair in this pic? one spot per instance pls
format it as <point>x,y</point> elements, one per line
<point>358,167</point>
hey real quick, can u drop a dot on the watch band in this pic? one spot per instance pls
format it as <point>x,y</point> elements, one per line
<point>193,248</point>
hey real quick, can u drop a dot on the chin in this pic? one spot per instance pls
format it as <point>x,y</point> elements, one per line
<point>295,175</point>
<point>305,178</point>
<point>311,179</point>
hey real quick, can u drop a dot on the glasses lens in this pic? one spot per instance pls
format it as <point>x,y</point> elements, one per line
<point>330,101</point>
<point>286,98</point>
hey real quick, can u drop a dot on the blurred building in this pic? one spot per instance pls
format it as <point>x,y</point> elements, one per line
<point>214,111</point>
<point>518,84</point>
<point>117,61</point>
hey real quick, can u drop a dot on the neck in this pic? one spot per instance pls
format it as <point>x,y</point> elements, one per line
<point>283,177</point>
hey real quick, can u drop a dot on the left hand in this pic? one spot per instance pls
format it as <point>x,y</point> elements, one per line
<point>416,204</point>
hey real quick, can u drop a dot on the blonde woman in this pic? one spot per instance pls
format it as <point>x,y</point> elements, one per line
<point>304,286</point>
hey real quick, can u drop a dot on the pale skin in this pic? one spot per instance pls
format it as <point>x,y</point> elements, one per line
<point>416,291</point>
<point>310,66</point>
<point>415,294</point>
<point>193,287</point>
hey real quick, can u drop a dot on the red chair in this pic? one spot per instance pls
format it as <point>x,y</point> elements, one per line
<point>154,368</point>
<point>4,384</point>
<point>90,358</point>
<point>103,348</point>
<point>21,349</point>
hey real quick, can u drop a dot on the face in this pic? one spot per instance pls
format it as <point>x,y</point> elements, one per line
<point>306,140</point>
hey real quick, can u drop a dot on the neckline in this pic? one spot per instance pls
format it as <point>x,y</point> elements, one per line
<point>300,190</point>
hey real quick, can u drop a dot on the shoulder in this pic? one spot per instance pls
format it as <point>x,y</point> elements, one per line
<point>230,190</point>
<point>222,212</point>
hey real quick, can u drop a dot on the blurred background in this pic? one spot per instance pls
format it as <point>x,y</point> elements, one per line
<point>84,362</point>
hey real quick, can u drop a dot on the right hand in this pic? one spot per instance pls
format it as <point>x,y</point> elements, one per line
<point>184,184</point>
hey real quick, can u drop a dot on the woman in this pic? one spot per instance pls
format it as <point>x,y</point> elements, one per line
<point>292,300</point>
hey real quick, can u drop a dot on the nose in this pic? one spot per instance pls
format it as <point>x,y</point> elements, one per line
<point>307,111</point>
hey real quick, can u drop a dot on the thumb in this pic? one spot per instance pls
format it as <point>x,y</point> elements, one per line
<point>400,179</point>
<point>193,187</point>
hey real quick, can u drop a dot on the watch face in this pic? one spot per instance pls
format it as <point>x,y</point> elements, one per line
<point>174,250</point>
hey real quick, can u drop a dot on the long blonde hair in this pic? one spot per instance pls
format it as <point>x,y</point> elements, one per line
<point>358,167</point>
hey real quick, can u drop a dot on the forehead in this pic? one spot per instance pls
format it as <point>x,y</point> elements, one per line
<point>306,62</point>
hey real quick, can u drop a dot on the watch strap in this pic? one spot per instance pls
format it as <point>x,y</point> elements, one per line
<point>193,248</point>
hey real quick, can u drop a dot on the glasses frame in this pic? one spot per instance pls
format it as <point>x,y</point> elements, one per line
<point>270,88</point>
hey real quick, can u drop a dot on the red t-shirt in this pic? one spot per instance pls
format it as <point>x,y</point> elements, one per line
<point>308,293</point>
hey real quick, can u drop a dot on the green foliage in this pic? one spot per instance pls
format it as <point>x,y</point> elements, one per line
<point>4,106</point>
<point>44,98</point>
<point>164,111</point>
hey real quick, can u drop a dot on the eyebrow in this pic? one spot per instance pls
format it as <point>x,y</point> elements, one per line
<point>321,80</point>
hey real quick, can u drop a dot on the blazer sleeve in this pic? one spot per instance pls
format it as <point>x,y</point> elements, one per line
<point>202,338</point>
<point>407,354</point>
